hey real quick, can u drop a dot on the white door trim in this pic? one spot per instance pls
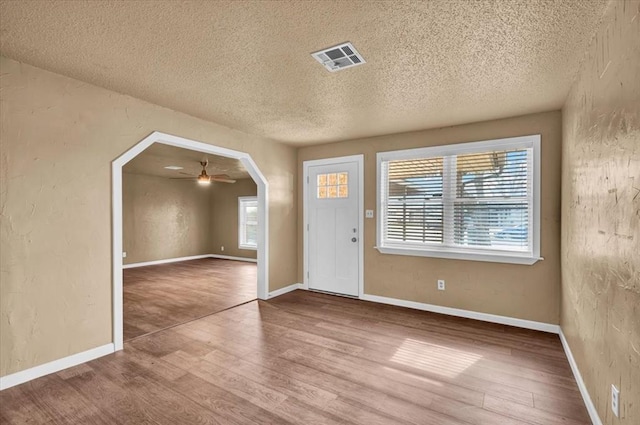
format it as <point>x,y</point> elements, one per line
<point>305,230</point>
<point>116,209</point>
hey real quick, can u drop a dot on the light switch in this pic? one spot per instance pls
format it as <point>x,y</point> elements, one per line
<point>369,214</point>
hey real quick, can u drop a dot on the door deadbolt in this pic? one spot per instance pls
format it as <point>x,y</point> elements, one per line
<point>353,239</point>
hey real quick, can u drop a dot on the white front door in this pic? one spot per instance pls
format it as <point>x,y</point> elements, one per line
<point>332,206</point>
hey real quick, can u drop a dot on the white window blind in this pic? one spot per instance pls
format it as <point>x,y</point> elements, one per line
<point>473,201</point>
<point>248,222</point>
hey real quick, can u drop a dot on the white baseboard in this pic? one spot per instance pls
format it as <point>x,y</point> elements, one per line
<point>165,261</point>
<point>284,290</point>
<point>192,257</point>
<point>54,366</point>
<point>485,317</point>
<point>591,408</point>
<point>228,257</point>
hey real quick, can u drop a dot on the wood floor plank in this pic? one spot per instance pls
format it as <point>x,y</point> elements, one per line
<point>364,415</point>
<point>253,392</point>
<point>528,414</point>
<point>357,391</point>
<point>573,409</point>
<point>224,403</point>
<point>306,393</point>
<point>21,405</point>
<point>459,410</point>
<point>124,406</point>
<point>307,358</point>
<point>170,406</point>
<point>354,394</point>
<point>300,413</point>
<point>409,320</point>
<point>64,403</point>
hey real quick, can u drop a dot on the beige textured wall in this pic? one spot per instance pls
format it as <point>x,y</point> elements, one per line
<point>58,138</point>
<point>164,218</point>
<point>601,214</point>
<point>526,292</point>
<point>224,217</point>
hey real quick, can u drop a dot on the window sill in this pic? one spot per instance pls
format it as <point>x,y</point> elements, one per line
<point>458,255</point>
<point>249,247</point>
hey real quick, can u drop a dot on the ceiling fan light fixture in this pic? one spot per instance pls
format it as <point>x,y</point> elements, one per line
<point>203,179</point>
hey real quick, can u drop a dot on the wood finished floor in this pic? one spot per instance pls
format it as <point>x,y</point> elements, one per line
<point>308,358</point>
<point>157,297</point>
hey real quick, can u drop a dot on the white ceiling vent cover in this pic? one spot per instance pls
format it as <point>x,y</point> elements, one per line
<point>339,57</point>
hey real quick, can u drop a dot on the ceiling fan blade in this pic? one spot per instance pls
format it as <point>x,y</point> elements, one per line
<point>221,180</point>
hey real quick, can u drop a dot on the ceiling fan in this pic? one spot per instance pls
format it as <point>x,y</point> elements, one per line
<point>204,179</point>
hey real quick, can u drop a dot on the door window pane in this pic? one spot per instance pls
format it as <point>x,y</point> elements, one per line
<point>333,185</point>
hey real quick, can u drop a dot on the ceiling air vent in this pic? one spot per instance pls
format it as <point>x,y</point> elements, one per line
<point>339,57</point>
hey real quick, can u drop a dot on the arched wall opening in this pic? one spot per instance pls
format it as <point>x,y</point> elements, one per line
<point>117,224</point>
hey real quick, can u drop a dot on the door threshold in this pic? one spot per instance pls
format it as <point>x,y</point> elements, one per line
<point>353,297</point>
<point>188,321</point>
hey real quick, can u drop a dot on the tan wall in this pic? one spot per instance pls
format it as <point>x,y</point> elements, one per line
<point>59,136</point>
<point>224,217</point>
<point>526,292</point>
<point>601,214</point>
<point>164,218</point>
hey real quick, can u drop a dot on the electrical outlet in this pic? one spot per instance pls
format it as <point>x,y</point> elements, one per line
<point>369,214</point>
<point>615,400</point>
<point>222,248</point>
<point>124,254</point>
<point>440,285</point>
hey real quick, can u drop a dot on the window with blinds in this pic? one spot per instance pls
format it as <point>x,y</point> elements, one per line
<point>472,201</point>
<point>248,222</point>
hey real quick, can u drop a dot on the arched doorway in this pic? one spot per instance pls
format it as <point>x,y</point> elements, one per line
<point>116,222</point>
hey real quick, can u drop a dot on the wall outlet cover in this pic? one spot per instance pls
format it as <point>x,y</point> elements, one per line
<point>440,285</point>
<point>369,214</point>
<point>615,400</point>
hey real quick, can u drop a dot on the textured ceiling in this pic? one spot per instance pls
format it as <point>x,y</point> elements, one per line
<point>247,65</point>
<point>157,156</point>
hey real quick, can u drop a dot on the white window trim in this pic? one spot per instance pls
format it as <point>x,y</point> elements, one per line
<point>241,201</point>
<point>523,142</point>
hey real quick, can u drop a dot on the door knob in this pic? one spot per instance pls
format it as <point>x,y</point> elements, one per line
<point>353,239</point>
